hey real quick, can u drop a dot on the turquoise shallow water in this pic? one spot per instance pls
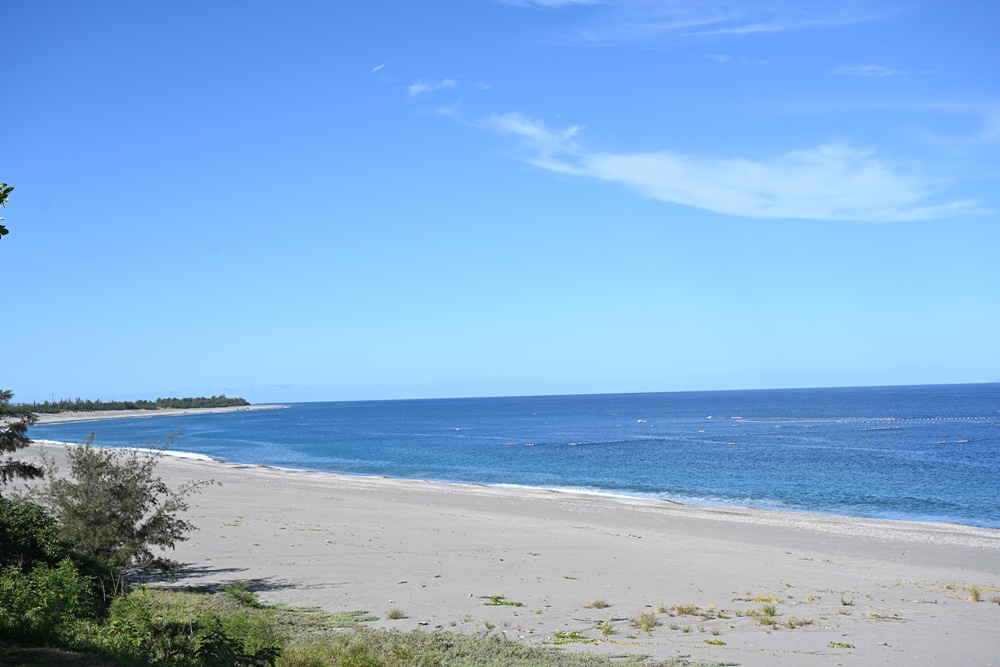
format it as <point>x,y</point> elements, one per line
<point>913,453</point>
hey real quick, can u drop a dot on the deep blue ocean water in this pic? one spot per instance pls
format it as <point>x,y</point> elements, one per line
<point>913,453</point>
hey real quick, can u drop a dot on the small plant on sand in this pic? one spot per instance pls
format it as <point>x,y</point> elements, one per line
<point>692,610</point>
<point>716,631</point>
<point>575,637</point>
<point>839,645</point>
<point>975,593</point>
<point>769,610</point>
<point>715,642</point>
<point>395,614</point>
<point>606,628</point>
<point>598,604</point>
<point>995,598</point>
<point>499,601</point>
<point>845,602</point>
<point>646,622</point>
<point>758,598</point>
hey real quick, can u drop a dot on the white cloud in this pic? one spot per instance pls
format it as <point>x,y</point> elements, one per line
<point>547,4</point>
<point>617,21</point>
<point>377,68</point>
<point>873,71</point>
<point>739,60</point>
<point>423,86</point>
<point>830,182</point>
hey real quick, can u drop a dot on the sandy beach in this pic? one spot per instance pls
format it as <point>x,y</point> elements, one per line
<point>897,592</point>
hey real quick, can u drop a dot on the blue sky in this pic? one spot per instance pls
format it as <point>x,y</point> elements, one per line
<point>336,201</point>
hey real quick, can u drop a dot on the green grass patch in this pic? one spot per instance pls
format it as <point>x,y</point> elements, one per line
<point>646,622</point>
<point>366,647</point>
<point>499,601</point>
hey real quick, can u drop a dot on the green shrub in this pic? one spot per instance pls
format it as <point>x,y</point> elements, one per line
<point>240,591</point>
<point>167,628</point>
<point>29,536</point>
<point>114,508</point>
<point>43,604</point>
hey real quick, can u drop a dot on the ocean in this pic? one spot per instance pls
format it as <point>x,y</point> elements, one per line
<point>919,453</point>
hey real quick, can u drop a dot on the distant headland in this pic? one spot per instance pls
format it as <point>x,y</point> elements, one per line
<point>87,405</point>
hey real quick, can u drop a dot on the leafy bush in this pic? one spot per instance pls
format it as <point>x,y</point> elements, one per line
<point>29,536</point>
<point>44,603</point>
<point>113,507</point>
<point>154,627</point>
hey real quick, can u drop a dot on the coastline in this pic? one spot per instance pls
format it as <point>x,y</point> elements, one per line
<point>352,542</point>
<point>65,417</point>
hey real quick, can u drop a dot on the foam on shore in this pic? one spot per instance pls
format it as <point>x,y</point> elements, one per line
<point>194,456</point>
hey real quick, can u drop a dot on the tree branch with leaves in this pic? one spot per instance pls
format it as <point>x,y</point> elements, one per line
<point>4,191</point>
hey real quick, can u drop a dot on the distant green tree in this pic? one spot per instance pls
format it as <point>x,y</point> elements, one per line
<point>14,424</point>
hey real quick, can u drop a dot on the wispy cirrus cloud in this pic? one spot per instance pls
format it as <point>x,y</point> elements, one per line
<point>874,71</point>
<point>423,86</point>
<point>829,182</point>
<point>547,4</point>
<point>725,58</point>
<point>619,21</point>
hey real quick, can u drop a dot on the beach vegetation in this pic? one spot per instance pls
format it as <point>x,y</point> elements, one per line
<point>839,645</point>
<point>574,637</point>
<point>759,598</point>
<point>395,614</point>
<point>645,622</point>
<point>975,593</point>
<point>606,627</point>
<point>499,601</point>
<point>366,647</point>
<point>689,610</point>
<point>14,425</point>
<point>715,642</point>
<point>598,604</point>
<point>845,602</point>
<point>113,507</point>
<point>5,191</point>
<point>240,591</point>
